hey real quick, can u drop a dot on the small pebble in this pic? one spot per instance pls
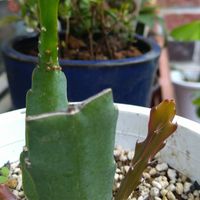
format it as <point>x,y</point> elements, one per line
<point>184,196</point>
<point>161,167</point>
<point>171,187</point>
<point>126,168</point>
<point>147,185</point>
<point>12,183</point>
<point>141,198</point>
<point>144,190</point>
<point>196,193</point>
<point>19,185</point>
<point>118,170</point>
<point>123,158</point>
<point>171,196</point>
<point>187,186</point>
<point>121,176</point>
<point>146,175</point>
<point>21,194</point>
<point>163,192</point>
<point>130,155</point>
<point>154,192</point>
<point>117,152</point>
<point>179,188</point>
<point>15,176</point>
<point>164,184</point>
<point>157,198</point>
<point>133,198</point>
<point>183,178</point>
<point>17,170</point>
<point>15,192</point>
<point>164,198</point>
<point>190,196</point>
<point>116,176</point>
<point>157,184</point>
<point>152,172</point>
<point>171,174</point>
<point>14,165</point>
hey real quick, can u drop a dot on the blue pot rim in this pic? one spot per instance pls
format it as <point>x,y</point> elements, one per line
<point>153,54</point>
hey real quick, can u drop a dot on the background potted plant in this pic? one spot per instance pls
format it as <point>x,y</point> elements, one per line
<point>64,136</point>
<point>128,64</point>
<point>186,75</point>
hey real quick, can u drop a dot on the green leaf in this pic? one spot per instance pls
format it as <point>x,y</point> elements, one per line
<point>3,179</point>
<point>159,129</point>
<point>149,10</point>
<point>196,102</point>
<point>145,1</point>
<point>149,20</point>
<point>187,32</point>
<point>65,9</point>
<point>4,171</point>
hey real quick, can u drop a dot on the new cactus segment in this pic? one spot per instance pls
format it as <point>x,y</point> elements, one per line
<point>69,148</point>
<point>160,127</point>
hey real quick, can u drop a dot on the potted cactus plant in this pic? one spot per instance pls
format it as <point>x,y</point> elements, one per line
<point>69,146</point>
<point>97,46</point>
<point>180,152</point>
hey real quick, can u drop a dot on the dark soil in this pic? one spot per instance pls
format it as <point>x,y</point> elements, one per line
<point>79,49</point>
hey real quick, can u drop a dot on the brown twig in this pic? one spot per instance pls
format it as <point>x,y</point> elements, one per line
<point>109,49</point>
<point>90,34</point>
<point>67,32</point>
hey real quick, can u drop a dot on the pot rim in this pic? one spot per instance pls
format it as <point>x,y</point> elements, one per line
<point>154,53</point>
<point>177,79</point>
<point>181,150</point>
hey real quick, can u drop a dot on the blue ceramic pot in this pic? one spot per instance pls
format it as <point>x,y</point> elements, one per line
<point>131,79</point>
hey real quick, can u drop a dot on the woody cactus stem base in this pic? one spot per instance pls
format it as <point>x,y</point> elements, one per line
<point>68,147</point>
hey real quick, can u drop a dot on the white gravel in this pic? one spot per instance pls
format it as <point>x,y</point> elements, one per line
<point>159,181</point>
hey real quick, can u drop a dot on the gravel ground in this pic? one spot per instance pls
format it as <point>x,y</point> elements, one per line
<point>159,181</point>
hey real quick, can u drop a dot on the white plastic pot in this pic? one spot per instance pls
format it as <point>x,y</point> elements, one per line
<point>185,93</point>
<point>181,151</point>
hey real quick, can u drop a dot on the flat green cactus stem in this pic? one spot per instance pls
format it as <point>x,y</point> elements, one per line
<point>69,148</point>
<point>70,154</point>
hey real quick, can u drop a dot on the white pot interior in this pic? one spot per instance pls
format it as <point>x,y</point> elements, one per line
<point>181,151</point>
